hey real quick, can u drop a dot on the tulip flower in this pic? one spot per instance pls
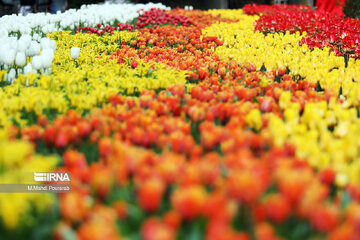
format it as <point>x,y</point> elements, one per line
<point>75,52</point>
<point>37,62</point>
<point>9,56</point>
<point>220,130</point>
<point>47,56</point>
<point>24,42</point>
<point>20,59</point>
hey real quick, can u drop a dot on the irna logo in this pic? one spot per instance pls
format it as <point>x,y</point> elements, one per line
<point>52,177</point>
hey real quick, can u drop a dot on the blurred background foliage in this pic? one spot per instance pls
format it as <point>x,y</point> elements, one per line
<point>352,8</point>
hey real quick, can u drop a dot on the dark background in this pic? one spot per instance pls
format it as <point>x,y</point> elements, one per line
<point>6,8</point>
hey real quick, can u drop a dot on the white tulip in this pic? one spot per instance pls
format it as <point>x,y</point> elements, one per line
<point>35,36</point>
<point>36,62</point>
<point>45,43</point>
<point>53,45</point>
<point>28,68</point>
<point>24,43</point>
<point>88,15</point>
<point>3,32</point>
<point>3,48</point>
<point>10,76</point>
<point>13,43</point>
<point>9,56</point>
<point>47,57</point>
<point>75,52</point>
<point>20,59</point>
<point>34,49</point>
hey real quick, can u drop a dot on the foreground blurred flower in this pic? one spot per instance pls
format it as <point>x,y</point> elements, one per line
<point>155,229</point>
<point>150,194</point>
<point>189,201</point>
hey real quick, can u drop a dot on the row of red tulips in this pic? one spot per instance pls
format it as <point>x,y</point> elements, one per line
<point>323,29</point>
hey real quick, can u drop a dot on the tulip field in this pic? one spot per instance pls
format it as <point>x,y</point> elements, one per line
<point>182,124</point>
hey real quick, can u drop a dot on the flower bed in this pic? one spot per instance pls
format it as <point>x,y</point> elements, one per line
<point>322,28</point>
<point>182,124</point>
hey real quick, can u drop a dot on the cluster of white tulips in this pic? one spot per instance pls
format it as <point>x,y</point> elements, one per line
<point>25,55</point>
<point>24,47</point>
<point>87,15</point>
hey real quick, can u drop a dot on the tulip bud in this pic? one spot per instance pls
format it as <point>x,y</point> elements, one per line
<point>45,43</point>
<point>3,32</point>
<point>24,42</point>
<point>53,45</point>
<point>36,62</point>
<point>35,36</point>
<point>28,68</point>
<point>9,57</point>
<point>11,75</point>
<point>47,57</point>
<point>75,52</point>
<point>34,49</point>
<point>20,59</point>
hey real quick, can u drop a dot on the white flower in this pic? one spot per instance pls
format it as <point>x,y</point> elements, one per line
<point>13,43</point>
<point>10,76</point>
<point>34,49</point>
<point>20,59</point>
<point>28,68</point>
<point>24,42</point>
<point>75,52</point>
<point>47,56</point>
<point>3,48</point>
<point>36,62</point>
<point>9,56</point>
<point>3,32</point>
<point>35,36</point>
<point>39,24</point>
<point>45,43</point>
<point>53,45</point>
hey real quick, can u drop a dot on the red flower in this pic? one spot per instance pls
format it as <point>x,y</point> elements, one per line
<point>61,140</point>
<point>155,229</point>
<point>83,128</point>
<point>172,219</point>
<point>265,231</point>
<point>150,194</point>
<point>327,176</point>
<point>244,186</point>
<point>277,208</point>
<point>267,104</point>
<point>324,218</point>
<point>73,206</point>
<point>189,201</point>
<point>121,209</point>
<point>105,147</point>
<point>101,179</point>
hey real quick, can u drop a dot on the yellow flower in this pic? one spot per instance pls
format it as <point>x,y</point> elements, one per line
<point>16,159</point>
<point>253,119</point>
<point>341,180</point>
